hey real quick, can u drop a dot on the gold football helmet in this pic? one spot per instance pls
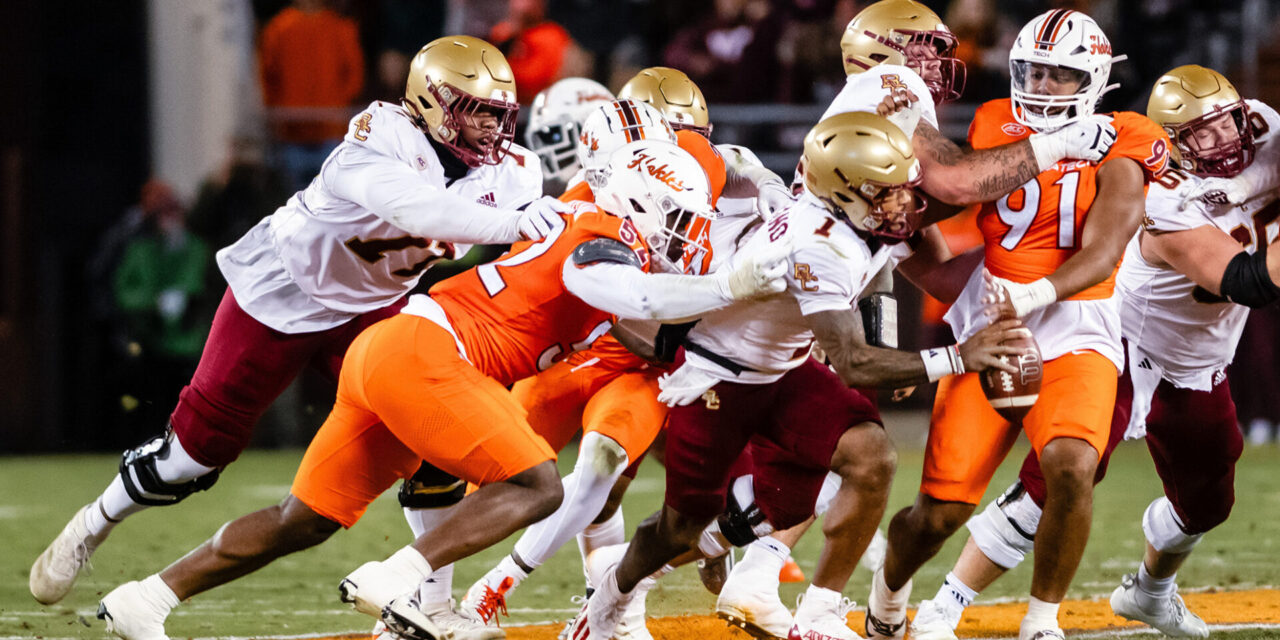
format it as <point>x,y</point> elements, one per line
<point>674,94</point>
<point>451,80</point>
<point>893,32</point>
<point>863,168</point>
<point>1191,100</point>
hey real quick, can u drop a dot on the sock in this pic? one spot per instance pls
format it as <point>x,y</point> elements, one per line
<point>1041,614</point>
<point>96,522</point>
<point>409,563</point>
<point>953,597</point>
<point>508,568</point>
<point>115,502</point>
<point>891,604</point>
<point>764,559</point>
<point>1152,590</point>
<point>159,593</point>
<point>666,568</point>
<point>438,587</point>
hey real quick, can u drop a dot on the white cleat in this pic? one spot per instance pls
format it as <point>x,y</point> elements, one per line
<point>56,570</point>
<point>1170,616</point>
<point>886,622</point>
<point>483,601</point>
<point>131,614</point>
<point>405,621</point>
<point>632,625</point>
<point>454,625</point>
<point>602,612</point>
<point>1027,632</point>
<point>372,587</point>
<point>757,611</point>
<point>824,623</point>
<point>931,623</point>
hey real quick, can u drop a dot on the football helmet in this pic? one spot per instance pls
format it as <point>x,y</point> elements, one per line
<point>862,167</point>
<point>1191,99</point>
<point>610,126</point>
<point>663,190</point>
<point>672,93</point>
<point>554,123</point>
<point>1065,46</point>
<point>453,78</point>
<point>892,31</point>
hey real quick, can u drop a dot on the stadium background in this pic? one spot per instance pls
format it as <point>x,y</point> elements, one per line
<point>102,98</point>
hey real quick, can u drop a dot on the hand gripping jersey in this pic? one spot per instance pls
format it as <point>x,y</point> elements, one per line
<point>829,267</point>
<point>864,91</point>
<point>325,256</point>
<point>514,316</point>
<point>1031,231</point>
<point>1188,333</point>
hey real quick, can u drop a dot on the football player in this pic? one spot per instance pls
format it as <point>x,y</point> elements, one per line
<point>411,184</point>
<point>554,124</point>
<point>745,375</point>
<point>430,384</point>
<point>1187,283</point>
<point>1051,249</point>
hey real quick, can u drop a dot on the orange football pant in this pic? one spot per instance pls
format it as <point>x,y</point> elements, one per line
<point>968,439</point>
<point>619,404</point>
<point>405,395</point>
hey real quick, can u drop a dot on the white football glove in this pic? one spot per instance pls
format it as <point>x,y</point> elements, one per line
<point>1086,139</point>
<point>683,386</point>
<point>1025,298</point>
<point>541,216</point>
<point>1214,191</point>
<point>772,199</point>
<point>761,274</point>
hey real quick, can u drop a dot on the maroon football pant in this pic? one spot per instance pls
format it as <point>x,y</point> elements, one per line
<point>793,426</point>
<point>1194,442</point>
<point>245,366</point>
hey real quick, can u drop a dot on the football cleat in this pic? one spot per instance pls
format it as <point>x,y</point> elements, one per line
<point>632,625</point>
<point>404,620</point>
<point>483,603</point>
<point>886,620</point>
<point>931,623</point>
<point>714,571</point>
<point>822,622</point>
<point>372,586</point>
<point>454,625</point>
<point>1170,615</point>
<point>1052,633</point>
<point>131,614</point>
<point>759,612</point>
<point>56,570</point>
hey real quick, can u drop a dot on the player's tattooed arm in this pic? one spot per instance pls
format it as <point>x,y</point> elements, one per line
<point>841,336</point>
<point>961,177</point>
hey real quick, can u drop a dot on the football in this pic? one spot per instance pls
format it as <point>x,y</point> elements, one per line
<point>1013,395</point>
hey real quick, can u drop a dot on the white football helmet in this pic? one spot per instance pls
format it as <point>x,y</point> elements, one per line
<point>554,123</point>
<point>610,126</point>
<point>663,190</point>
<point>1063,43</point>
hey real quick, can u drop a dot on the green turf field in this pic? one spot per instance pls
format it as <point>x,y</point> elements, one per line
<point>298,595</point>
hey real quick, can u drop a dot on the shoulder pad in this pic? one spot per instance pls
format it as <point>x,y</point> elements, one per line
<point>605,250</point>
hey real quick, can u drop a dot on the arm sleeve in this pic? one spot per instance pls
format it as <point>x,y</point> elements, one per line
<point>396,193</point>
<point>628,292</point>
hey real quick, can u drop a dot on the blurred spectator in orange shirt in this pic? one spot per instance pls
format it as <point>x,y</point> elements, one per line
<point>310,58</point>
<point>539,50</point>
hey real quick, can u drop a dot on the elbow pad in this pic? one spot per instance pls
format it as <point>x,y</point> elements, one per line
<point>1247,282</point>
<point>605,249</point>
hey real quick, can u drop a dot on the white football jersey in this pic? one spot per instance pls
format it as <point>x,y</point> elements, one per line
<point>1190,333</point>
<point>829,267</point>
<point>864,91</point>
<point>326,256</point>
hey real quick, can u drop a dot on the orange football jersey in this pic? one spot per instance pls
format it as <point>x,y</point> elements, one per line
<point>514,316</point>
<point>1030,232</point>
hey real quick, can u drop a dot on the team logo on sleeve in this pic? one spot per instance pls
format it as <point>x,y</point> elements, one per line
<point>892,81</point>
<point>362,127</point>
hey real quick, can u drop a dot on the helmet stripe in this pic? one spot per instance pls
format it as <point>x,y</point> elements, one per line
<point>1049,30</point>
<point>630,120</point>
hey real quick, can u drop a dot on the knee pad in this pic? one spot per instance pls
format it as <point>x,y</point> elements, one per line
<point>145,482</point>
<point>1005,531</point>
<point>431,488</point>
<point>1164,530</point>
<point>743,521</point>
<point>603,454</point>
<point>830,485</point>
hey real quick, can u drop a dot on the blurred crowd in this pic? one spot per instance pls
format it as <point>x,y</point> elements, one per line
<point>319,60</point>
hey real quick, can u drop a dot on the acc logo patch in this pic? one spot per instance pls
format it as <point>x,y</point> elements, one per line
<point>1013,129</point>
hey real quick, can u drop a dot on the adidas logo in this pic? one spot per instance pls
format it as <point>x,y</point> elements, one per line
<point>488,199</point>
<point>1145,364</point>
